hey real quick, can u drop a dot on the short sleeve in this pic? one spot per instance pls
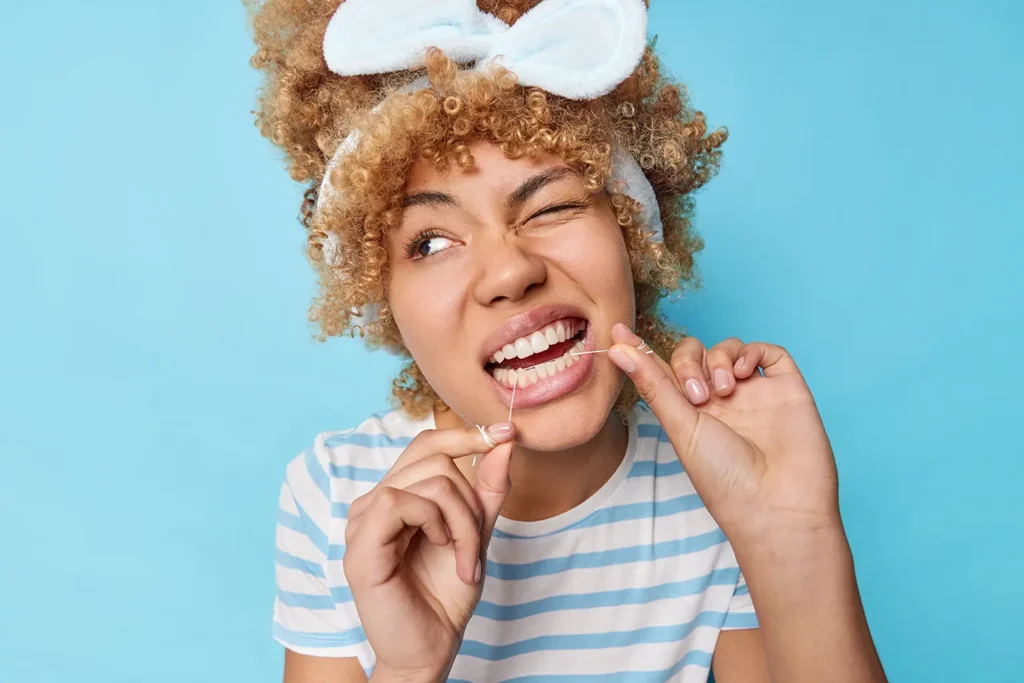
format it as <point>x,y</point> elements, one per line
<point>741,613</point>
<point>313,609</point>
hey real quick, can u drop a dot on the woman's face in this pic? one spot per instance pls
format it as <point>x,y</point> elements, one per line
<point>506,266</point>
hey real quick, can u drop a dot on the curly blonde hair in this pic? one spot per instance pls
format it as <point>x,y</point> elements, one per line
<point>308,111</point>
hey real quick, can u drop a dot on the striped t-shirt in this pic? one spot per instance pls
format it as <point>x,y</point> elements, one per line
<point>634,584</point>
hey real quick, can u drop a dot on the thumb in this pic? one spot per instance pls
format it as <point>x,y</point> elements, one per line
<point>492,486</point>
<point>658,388</point>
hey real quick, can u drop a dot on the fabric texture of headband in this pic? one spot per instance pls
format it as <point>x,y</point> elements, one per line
<point>578,49</point>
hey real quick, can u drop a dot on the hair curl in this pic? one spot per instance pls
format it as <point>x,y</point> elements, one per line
<point>308,111</point>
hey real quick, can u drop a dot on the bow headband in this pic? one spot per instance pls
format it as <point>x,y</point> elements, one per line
<point>578,49</point>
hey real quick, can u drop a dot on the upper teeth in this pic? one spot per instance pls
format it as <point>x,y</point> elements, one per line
<point>539,341</point>
<point>524,377</point>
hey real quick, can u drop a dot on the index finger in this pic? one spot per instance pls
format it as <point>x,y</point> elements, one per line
<point>456,442</point>
<point>774,359</point>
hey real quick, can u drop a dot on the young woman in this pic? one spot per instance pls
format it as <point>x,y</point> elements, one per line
<point>503,196</point>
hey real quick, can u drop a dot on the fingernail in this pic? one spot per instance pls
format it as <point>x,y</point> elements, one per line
<point>739,362</point>
<point>721,379</point>
<point>695,390</point>
<point>479,571</point>
<point>500,431</point>
<point>622,360</point>
<point>630,336</point>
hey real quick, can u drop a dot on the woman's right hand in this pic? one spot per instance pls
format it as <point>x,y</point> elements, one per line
<point>416,547</point>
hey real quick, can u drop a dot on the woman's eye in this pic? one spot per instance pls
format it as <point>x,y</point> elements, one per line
<point>559,209</point>
<point>432,245</point>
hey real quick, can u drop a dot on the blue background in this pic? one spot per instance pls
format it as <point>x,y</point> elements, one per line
<point>158,372</point>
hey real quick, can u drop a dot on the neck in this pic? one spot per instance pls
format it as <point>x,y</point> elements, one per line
<point>548,483</point>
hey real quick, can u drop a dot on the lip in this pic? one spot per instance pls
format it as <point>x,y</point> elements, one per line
<point>523,325</point>
<point>550,388</point>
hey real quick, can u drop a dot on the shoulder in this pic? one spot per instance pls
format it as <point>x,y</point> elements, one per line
<point>341,465</point>
<point>314,613</point>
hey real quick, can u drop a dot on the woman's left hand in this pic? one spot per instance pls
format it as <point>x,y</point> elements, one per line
<point>754,446</point>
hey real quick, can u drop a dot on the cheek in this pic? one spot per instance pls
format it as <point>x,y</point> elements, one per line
<point>596,258</point>
<point>426,308</point>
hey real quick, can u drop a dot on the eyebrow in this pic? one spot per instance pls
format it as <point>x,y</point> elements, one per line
<point>515,199</point>
<point>429,198</point>
<point>532,186</point>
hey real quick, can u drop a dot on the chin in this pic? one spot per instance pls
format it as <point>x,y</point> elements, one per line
<point>566,423</point>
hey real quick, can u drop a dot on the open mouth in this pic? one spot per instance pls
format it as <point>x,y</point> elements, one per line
<point>542,355</point>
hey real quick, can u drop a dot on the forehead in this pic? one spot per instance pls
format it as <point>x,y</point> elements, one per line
<point>491,173</point>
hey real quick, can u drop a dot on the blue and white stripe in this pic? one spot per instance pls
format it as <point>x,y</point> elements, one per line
<point>633,585</point>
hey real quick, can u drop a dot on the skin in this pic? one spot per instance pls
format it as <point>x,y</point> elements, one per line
<point>498,258</point>
<point>495,257</point>
<point>740,416</point>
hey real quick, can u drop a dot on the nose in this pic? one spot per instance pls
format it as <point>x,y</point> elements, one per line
<point>508,271</point>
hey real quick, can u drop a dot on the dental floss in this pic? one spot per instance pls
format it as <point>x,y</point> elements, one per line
<point>643,345</point>
<point>515,382</point>
<point>488,441</point>
<point>515,379</point>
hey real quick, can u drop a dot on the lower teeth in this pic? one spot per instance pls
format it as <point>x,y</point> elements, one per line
<point>524,377</point>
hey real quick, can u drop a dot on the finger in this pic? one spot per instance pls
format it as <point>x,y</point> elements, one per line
<point>688,368</point>
<point>676,415</point>
<point>463,524</point>
<point>454,443</point>
<point>435,466</point>
<point>436,445</point>
<point>355,509</point>
<point>720,359</point>
<point>746,366</point>
<point>492,486</point>
<point>623,335</point>
<point>774,359</point>
<point>392,510</point>
<point>374,550</point>
<point>359,506</point>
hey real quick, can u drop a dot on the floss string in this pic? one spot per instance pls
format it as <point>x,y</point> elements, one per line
<point>515,379</point>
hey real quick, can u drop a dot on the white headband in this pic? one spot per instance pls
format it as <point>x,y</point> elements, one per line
<point>578,49</point>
